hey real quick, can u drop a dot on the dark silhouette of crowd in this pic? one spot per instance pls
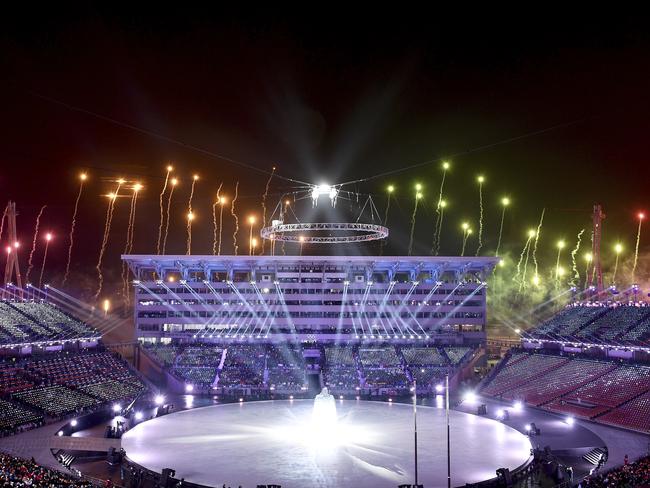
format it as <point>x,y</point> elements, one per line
<point>17,473</point>
<point>630,475</point>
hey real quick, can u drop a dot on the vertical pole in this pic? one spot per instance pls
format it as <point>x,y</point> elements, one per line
<point>448,437</point>
<point>415,427</point>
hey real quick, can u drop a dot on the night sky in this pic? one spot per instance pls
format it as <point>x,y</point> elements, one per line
<point>325,96</point>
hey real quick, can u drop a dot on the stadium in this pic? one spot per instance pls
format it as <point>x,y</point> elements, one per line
<point>252,254</point>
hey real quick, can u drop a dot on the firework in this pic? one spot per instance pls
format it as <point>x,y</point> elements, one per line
<point>30,264</point>
<point>234,216</point>
<point>505,202</point>
<point>636,247</point>
<point>107,229</point>
<point>443,205</point>
<point>560,246</point>
<point>524,251</point>
<point>266,192</point>
<point>174,182</point>
<point>251,222</point>
<point>618,248</point>
<point>574,265</point>
<point>390,191</point>
<point>214,221</point>
<point>128,246</point>
<point>82,178</point>
<point>418,196</point>
<point>2,222</point>
<point>481,180</point>
<point>537,234</point>
<point>588,259</point>
<point>48,238</point>
<point>190,215</point>
<point>162,207</point>
<point>523,283</point>
<point>466,232</point>
<point>436,232</point>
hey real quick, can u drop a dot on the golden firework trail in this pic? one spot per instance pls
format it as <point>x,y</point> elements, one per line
<point>30,264</point>
<point>266,192</point>
<point>162,213</point>
<point>234,215</point>
<point>169,203</point>
<point>47,246</point>
<point>72,226</point>
<point>574,265</point>
<point>190,216</point>
<point>636,246</point>
<point>480,218</point>
<point>537,234</point>
<point>215,227</point>
<point>107,231</point>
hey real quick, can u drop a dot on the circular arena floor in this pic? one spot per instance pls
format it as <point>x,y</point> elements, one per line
<point>278,442</point>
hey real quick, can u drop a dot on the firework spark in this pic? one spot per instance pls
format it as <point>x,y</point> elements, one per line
<point>436,233</point>
<point>266,192</point>
<point>234,215</point>
<point>505,202</point>
<point>618,248</point>
<point>418,196</point>
<point>190,215</point>
<point>560,246</point>
<point>216,236</point>
<point>524,251</point>
<point>480,180</point>
<point>2,222</point>
<point>466,233</point>
<point>443,205</point>
<point>574,265</point>
<point>128,246</point>
<point>636,247</point>
<point>30,263</point>
<point>174,182</point>
<point>107,230</point>
<point>82,178</point>
<point>537,234</point>
<point>162,213</point>
<point>48,238</point>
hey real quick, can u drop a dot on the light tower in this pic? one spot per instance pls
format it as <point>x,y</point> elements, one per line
<point>13,266</point>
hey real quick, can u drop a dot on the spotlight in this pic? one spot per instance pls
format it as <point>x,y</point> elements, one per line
<point>527,427</point>
<point>117,407</point>
<point>241,400</point>
<point>159,399</point>
<point>390,400</point>
<point>60,433</point>
<point>290,398</point>
<point>500,413</point>
<point>189,388</point>
<point>518,406</point>
<point>570,421</point>
<point>469,397</point>
<point>138,415</point>
<point>74,422</point>
<point>439,388</point>
<point>340,397</point>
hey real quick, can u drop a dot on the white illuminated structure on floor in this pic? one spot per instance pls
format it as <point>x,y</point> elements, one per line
<point>324,413</point>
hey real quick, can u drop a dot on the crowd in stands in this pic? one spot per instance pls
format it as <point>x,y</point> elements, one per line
<point>18,473</point>
<point>282,368</point>
<point>610,324</point>
<point>35,388</point>
<point>24,322</point>
<point>606,391</point>
<point>636,474</point>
